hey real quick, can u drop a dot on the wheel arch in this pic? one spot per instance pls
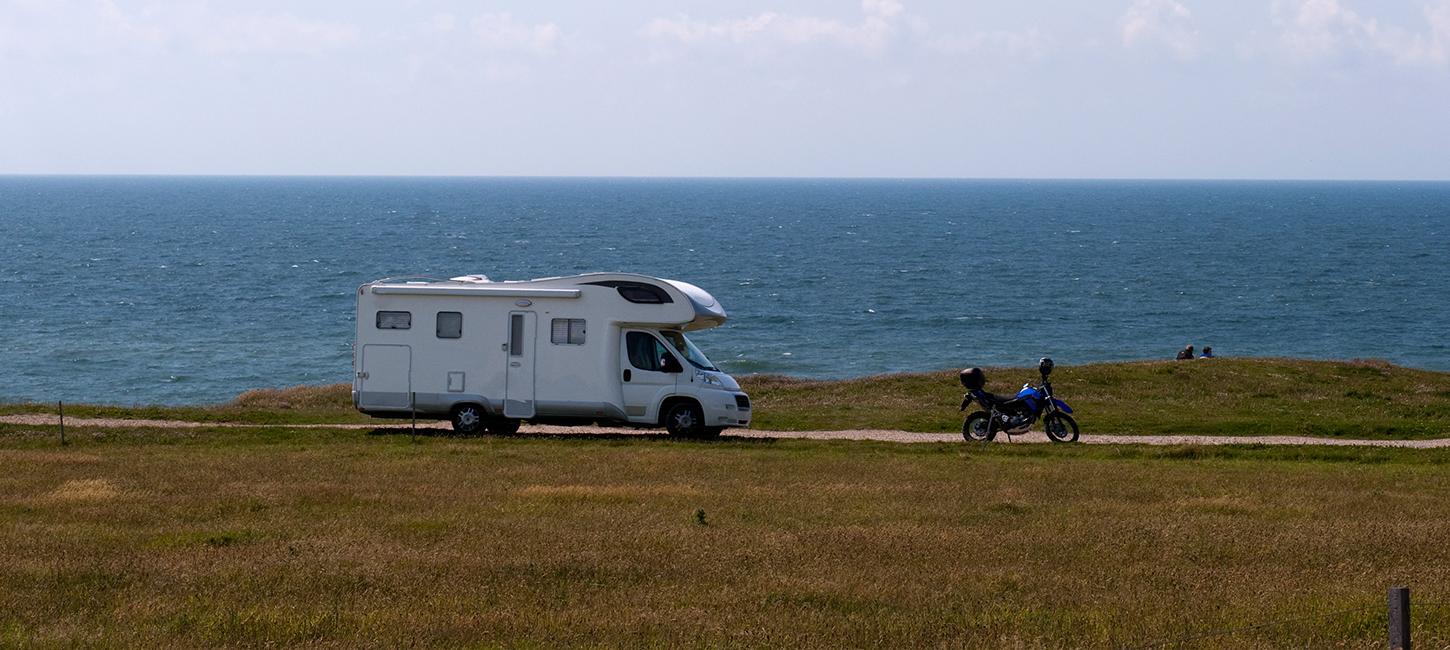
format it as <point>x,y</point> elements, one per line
<point>481,404</point>
<point>672,400</point>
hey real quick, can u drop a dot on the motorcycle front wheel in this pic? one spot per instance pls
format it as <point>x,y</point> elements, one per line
<point>977,427</point>
<point>1060,427</point>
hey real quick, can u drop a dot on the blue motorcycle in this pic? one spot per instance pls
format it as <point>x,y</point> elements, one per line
<point>1015,415</point>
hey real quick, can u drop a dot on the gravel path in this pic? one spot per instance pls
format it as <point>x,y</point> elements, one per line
<point>851,434</point>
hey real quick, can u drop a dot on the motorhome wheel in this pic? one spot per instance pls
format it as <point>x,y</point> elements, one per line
<point>468,419</point>
<point>685,420</point>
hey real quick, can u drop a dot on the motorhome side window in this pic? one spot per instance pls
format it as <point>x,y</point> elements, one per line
<point>644,294</point>
<point>567,331</point>
<point>645,351</point>
<point>395,320</point>
<point>450,325</point>
<point>637,292</point>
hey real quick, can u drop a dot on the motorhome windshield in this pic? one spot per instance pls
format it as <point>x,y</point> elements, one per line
<point>688,350</point>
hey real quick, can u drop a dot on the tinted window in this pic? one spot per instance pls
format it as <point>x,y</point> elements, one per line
<point>395,320</point>
<point>643,294</point>
<point>516,335</point>
<point>450,325</point>
<point>687,348</point>
<point>567,331</point>
<point>645,351</point>
<point>639,292</point>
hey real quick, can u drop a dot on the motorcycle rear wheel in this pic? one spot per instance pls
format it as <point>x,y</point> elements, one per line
<point>978,428</point>
<point>1060,427</point>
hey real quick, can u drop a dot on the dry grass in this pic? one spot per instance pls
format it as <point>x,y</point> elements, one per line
<point>87,490</point>
<point>330,404</point>
<point>264,538</point>
<point>336,397</point>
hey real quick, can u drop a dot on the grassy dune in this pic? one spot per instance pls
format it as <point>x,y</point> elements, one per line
<point>265,537</point>
<point>1368,399</point>
<point>1220,397</point>
<point>295,405</point>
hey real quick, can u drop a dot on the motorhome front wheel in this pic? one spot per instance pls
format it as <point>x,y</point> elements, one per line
<point>684,419</point>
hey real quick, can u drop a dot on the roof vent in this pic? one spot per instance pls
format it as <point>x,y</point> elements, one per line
<point>472,279</point>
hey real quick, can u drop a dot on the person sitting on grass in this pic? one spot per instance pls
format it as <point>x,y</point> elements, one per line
<point>1207,352</point>
<point>1185,353</point>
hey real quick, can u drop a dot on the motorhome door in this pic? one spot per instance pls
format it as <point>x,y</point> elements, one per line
<point>385,380</point>
<point>518,399</point>
<point>645,384</point>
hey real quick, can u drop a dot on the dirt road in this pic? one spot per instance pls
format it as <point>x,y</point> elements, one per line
<point>853,434</point>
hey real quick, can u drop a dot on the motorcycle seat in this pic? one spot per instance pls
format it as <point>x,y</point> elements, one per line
<point>998,401</point>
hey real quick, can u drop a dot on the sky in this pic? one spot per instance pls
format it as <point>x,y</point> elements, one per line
<point>1314,89</point>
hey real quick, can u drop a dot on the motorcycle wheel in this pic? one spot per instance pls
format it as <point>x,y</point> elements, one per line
<point>978,427</point>
<point>1060,427</point>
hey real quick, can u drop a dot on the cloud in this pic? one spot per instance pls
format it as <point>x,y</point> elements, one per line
<point>1029,44</point>
<point>1313,30</point>
<point>440,23</point>
<point>44,30</point>
<point>886,8</point>
<point>66,28</point>
<point>871,35</point>
<point>1162,22</point>
<point>501,32</point>
<point>281,33</point>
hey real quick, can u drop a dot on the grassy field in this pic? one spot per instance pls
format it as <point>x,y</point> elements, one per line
<point>1361,399</point>
<point>265,537</point>
<point>1219,397</point>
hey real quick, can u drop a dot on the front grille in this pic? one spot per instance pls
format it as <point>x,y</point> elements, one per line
<point>743,402</point>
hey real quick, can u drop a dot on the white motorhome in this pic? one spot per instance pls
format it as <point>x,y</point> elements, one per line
<point>605,348</point>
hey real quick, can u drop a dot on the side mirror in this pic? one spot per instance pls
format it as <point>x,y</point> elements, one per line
<point>670,364</point>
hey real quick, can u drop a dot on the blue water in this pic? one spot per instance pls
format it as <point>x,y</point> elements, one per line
<point>191,290</point>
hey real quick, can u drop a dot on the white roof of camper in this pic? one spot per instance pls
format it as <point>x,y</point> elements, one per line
<point>708,311</point>
<point>445,289</point>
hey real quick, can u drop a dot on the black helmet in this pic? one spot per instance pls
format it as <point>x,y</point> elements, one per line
<point>973,378</point>
<point>1045,366</point>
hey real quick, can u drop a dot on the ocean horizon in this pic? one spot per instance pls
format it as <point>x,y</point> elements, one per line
<point>191,289</point>
<point>627,177</point>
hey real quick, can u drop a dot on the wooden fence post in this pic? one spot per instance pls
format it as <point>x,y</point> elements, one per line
<point>61,404</point>
<point>1399,618</point>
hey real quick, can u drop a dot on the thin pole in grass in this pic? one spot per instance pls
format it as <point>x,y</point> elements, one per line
<point>61,405</point>
<point>413,410</point>
<point>1399,616</point>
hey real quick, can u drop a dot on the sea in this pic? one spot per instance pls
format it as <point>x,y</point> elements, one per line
<point>190,290</point>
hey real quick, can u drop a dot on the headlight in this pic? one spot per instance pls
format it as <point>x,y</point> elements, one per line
<point>709,379</point>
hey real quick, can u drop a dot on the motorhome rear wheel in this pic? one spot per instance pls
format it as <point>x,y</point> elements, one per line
<point>468,419</point>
